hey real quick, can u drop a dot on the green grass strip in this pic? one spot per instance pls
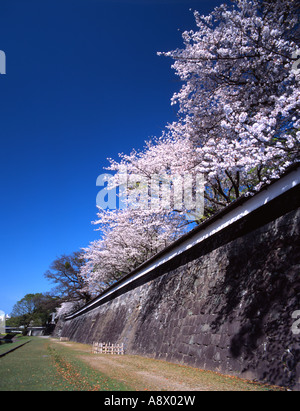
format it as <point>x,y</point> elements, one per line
<point>44,366</point>
<point>4,347</point>
<point>11,349</point>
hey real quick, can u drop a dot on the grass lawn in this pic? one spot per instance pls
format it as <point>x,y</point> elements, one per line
<point>42,365</point>
<point>4,347</point>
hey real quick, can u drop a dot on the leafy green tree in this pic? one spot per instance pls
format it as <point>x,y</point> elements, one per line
<point>33,309</point>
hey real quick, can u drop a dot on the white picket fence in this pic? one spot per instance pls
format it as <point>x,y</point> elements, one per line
<point>104,348</point>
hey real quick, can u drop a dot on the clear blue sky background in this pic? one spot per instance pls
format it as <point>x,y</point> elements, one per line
<point>83,83</point>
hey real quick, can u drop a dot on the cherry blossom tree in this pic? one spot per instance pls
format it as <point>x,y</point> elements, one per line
<point>239,104</point>
<point>238,126</point>
<point>68,307</point>
<point>128,238</point>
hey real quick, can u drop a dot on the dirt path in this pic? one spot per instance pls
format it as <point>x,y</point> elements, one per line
<point>143,374</point>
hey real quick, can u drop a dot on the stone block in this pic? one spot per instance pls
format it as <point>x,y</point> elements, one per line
<point>182,349</point>
<point>209,352</point>
<point>224,341</point>
<point>234,328</point>
<point>195,351</point>
<point>206,339</point>
<point>215,339</point>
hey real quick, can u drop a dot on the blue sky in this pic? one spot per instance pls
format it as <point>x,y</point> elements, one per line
<point>83,83</point>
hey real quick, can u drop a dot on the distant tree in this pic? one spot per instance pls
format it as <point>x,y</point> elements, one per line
<point>26,306</point>
<point>65,273</point>
<point>33,309</point>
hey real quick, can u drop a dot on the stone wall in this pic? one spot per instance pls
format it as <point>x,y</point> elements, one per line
<point>224,305</point>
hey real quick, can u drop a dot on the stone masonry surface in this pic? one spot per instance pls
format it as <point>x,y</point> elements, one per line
<point>225,305</point>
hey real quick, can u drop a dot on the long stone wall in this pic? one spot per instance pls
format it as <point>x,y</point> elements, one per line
<point>224,305</point>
